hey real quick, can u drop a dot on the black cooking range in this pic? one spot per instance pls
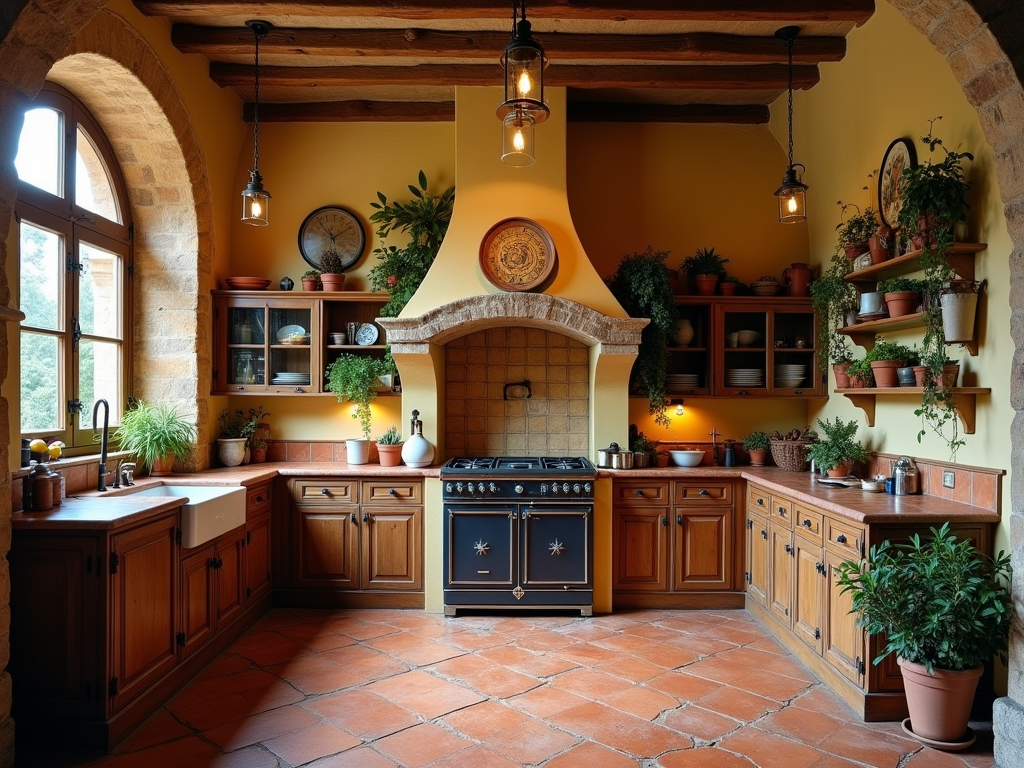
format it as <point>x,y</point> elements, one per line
<point>518,533</point>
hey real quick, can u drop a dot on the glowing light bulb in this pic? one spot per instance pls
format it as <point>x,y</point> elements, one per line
<point>257,209</point>
<point>524,83</point>
<point>518,142</point>
<point>791,205</point>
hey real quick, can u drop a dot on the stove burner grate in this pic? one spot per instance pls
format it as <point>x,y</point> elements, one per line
<point>471,463</point>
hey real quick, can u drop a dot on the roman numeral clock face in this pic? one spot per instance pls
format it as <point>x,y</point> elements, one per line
<point>517,255</point>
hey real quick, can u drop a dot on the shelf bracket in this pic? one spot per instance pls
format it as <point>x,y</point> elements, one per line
<point>963,400</point>
<point>965,405</point>
<point>866,403</point>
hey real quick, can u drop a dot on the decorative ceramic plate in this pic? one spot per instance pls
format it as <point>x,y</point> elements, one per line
<point>367,334</point>
<point>288,331</point>
<point>246,283</point>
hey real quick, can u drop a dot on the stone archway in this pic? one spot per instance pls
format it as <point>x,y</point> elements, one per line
<point>978,38</point>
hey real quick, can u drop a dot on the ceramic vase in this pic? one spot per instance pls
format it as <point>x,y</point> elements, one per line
<point>797,279</point>
<point>357,451</point>
<point>417,451</point>
<point>684,332</point>
<point>231,450</point>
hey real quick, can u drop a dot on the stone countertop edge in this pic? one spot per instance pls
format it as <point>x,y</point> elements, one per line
<point>853,503</point>
<point>97,513</point>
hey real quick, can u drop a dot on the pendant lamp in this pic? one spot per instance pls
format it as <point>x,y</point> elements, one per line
<point>792,193</point>
<point>523,107</point>
<point>255,199</point>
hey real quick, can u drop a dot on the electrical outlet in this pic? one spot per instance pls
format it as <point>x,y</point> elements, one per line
<point>947,479</point>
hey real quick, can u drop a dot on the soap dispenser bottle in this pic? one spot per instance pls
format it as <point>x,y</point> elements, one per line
<point>417,451</point>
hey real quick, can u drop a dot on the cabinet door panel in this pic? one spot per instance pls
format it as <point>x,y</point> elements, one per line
<point>480,545</point>
<point>555,547</point>
<point>757,558</point>
<point>807,600</point>
<point>328,547</point>
<point>230,576</point>
<point>257,557</point>
<point>844,640</point>
<point>391,548</point>
<point>640,549</point>
<point>780,594</point>
<point>703,549</point>
<point>197,595</point>
<point>143,597</point>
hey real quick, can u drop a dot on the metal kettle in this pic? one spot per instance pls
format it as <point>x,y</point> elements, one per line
<point>905,477</point>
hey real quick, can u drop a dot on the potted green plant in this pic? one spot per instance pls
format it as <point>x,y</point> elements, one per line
<point>859,373</point>
<point>945,610</point>
<point>389,447</point>
<point>855,231</point>
<point>938,401</point>
<point>833,297</point>
<point>425,219</point>
<point>640,285</point>
<point>311,280</point>
<point>756,446</point>
<point>332,268</point>
<point>836,454</point>
<point>157,435</point>
<point>885,357</point>
<point>906,373</point>
<point>902,295</point>
<point>729,284</point>
<point>706,268</point>
<point>958,304</point>
<point>355,377</point>
<point>643,449</point>
<point>933,195</point>
<point>236,427</point>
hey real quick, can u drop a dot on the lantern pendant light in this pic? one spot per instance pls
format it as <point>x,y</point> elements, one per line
<point>255,199</point>
<point>523,107</point>
<point>792,197</point>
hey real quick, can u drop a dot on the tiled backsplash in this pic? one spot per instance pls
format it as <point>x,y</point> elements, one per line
<point>548,417</point>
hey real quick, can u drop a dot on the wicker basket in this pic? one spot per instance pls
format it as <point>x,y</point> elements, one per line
<point>790,455</point>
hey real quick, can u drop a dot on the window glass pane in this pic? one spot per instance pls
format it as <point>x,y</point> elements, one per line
<point>99,375</point>
<point>41,277</point>
<point>99,292</point>
<point>41,373</point>
<point>93,189</point>
<point>40,149</point>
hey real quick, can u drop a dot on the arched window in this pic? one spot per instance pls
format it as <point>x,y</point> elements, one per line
<point>75,271</point>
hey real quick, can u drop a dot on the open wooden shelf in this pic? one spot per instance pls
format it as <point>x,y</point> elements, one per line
<point>964,401</point>
<point>960,257</point>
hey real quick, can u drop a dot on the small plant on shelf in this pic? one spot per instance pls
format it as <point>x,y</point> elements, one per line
<point>331,262</point>
<point>888,351</point>
<point>860,373</point>
<point>756,441</point>
<point>855,231</point>
<point>901,285</point>
<point>391,437</point>
<point>840,446</point>
<point>311,276</point>
<point>705,262</point>
<point>641,286</point>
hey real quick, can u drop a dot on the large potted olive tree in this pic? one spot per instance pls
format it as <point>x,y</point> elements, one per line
<point>944,608</point>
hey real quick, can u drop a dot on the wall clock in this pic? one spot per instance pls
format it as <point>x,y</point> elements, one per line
<point>517,255</point>
<point>327,226</point>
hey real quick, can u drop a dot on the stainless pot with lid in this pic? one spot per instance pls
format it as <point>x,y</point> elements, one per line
<point>605,456</point>
<point>905,481</point>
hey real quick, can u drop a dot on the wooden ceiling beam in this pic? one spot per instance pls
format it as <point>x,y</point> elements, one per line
<point>609,112</point>
<point>356,111</point>
<point>788,12</point>
<point>689,77</point>
<point>214,42</point>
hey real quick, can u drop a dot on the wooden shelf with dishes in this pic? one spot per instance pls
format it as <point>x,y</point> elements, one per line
<point>964,400</point>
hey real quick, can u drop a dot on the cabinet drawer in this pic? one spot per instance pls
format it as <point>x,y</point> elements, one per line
<point>781,511</point>
<point>257,500</point>
<point>327,490</point>
<point>845,537</point>
<point>808,522</point>
<point>640,492</point>
<point>392,491</point>
<point>713,492</point>
<point>759,500</point>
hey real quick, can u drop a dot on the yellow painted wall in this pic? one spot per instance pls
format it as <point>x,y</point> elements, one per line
<point>843,128</point>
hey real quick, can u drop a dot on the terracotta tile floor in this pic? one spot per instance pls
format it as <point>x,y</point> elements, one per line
<point>379,689</point>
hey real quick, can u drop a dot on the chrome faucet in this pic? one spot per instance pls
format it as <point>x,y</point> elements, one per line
<point>101,484</point>
<point>123,474</point>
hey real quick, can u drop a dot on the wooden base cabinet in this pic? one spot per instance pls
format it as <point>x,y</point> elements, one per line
<point>672,544</point>
<point>212,589</point>
<point>357,543</point>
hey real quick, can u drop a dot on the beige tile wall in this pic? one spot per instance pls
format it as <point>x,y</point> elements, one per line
<point>480,422</point>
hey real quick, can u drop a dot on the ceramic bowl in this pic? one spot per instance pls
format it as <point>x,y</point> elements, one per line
<point>687,458</point>
<point>747,338</point>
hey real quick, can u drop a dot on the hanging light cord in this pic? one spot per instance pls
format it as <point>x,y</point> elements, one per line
<point>256,110</point>
<point>789,49</point>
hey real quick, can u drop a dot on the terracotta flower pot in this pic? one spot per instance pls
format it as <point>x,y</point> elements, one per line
<point>162,467</point>
<point>662,459</point>
<point>390,455</point>
<point>842,379</point>
<point>310,284</point>
<point>855,250</point>
<point>939,704</point>
<point>878,246</point>
<point>757,457</point>
<point>843,470</point>
<point>902,303</point>
<point>950,372</point>
<point>332,281</point>
<point>727,289</point>
<point>885,372</point>
<point>920,375</point>
<point>259,455</point>
<point>706,284</point>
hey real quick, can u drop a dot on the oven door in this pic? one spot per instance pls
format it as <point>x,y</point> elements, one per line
<point>556,546</point>
<point>480,545</point>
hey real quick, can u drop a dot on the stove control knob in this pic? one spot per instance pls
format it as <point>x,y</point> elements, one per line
<point>492,488</point>
<point>519,488</point>
<point>448,488</point>
<point>586,487</point>
<point>554,488</point>
<point>471,488</point>
<point>576,488</point>
<point>458,487</point>
<point>565,487</point>
<point>543,488</point>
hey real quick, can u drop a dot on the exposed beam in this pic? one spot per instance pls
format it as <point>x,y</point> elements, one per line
<point>690,77</point>
<point>607,112</point>
<point>354,112</point>
<point>214,42</point>
<point>789,11</point>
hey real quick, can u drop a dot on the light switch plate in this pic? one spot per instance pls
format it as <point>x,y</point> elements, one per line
<point>947,479</point>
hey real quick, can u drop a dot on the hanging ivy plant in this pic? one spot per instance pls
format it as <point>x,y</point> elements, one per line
<point>641,286</point>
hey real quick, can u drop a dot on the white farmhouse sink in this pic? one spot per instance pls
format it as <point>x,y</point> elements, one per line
<point>210,510</point>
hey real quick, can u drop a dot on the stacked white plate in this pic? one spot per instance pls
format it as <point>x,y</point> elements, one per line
<point>682,380</point>
<point>284,377</point>
<point>789,376</point>
<point>744,377</point>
